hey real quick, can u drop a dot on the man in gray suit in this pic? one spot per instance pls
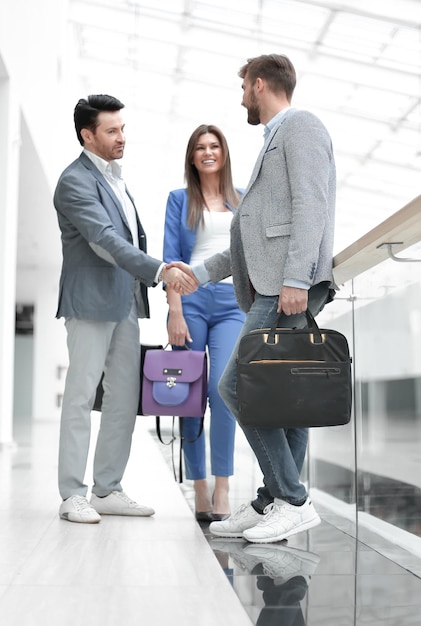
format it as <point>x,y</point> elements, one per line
<point>280,258</point>
<point>103,292</point>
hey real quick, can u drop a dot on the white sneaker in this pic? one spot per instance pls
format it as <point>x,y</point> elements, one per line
<point>244,517</point>
<point>119,503</point>
<point>281,563</point>
<point>78,509</point>
<point>283,520</point>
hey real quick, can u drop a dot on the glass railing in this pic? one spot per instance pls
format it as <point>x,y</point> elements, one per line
<point>366,476</point>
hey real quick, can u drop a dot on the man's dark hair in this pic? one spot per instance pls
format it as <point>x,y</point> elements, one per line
<point>87,111</point>
<point>276,69</point>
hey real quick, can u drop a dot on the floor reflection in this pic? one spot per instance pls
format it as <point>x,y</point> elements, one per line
<point>281,575</point>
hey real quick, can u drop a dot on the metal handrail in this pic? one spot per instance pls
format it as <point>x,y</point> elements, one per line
<point>401,230</point>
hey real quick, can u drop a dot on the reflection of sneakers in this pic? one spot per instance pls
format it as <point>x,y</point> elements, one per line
<point>282,562</point>
<point>78,509</point>
<point>243,518</point>
<point>284,595</point>
<point>235,550</point>
<point>119,503</point>
<point>282,520</point>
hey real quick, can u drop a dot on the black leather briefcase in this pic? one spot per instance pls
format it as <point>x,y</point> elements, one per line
<point>294,378</point>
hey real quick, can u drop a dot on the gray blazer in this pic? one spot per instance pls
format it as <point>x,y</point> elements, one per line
<point>284,226</point>
<point>101,268</point>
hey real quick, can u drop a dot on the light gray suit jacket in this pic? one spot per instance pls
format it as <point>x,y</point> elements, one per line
<point>102,269</point>
<point>284,226</point>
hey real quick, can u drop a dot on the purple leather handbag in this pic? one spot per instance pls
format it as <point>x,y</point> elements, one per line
<point>175,382</point>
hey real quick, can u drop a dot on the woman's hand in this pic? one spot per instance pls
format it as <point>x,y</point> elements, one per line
<point>178,331</point>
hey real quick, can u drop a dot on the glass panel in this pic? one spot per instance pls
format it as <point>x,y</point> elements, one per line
<point>365,477</point>
<point>388,374</point>
<point>332,450</point>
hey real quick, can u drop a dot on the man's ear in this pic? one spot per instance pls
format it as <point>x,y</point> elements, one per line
<point>86,134</point>
<point>259,84</point>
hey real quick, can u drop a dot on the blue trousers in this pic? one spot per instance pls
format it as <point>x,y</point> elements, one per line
<point>280,452</point>
<point>214,321</point>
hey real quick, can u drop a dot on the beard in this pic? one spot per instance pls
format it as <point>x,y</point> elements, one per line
<point>253,117</point>
<point>253,112</point>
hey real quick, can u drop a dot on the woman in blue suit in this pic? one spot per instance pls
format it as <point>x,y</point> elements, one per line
<point>197,225</point>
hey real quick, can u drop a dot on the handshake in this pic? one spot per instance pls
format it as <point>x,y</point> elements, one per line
<point>180,276</point>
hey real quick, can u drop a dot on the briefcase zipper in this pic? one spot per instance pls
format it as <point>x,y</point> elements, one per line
<point>316,371</point>
<point>267,361</point>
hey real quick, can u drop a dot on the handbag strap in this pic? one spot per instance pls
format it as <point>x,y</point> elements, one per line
<point>311,323</point>
<point>185,347</point>
<point>169,443</point>
<point>180,426</point>
<point>173,439</point>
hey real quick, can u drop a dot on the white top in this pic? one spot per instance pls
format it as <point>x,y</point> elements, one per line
<point>212,237</point>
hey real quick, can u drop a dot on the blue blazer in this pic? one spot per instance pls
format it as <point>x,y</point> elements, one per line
<point>179,239</point>
<point>100,262</point>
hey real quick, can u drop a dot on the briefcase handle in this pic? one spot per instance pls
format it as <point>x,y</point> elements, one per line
<point>311,323</point>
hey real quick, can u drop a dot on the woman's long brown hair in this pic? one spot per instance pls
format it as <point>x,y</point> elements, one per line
<point>196,201</point>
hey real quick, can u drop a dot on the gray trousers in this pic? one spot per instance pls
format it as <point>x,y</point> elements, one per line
<point>94,347</point>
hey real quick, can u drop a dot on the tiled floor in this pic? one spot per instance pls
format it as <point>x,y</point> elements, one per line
<point>168,569</point>
<point>122,572</point>
<point>323,577</point>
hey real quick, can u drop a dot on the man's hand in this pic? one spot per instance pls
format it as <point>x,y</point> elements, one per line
<point>292,300</point>
<point>183,266</point>
<point>180,277</point>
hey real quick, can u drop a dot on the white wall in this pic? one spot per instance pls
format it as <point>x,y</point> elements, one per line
<point>31,36</point>
<point>32,39</point>
<point>9,154</point>
<point>39,287</point>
